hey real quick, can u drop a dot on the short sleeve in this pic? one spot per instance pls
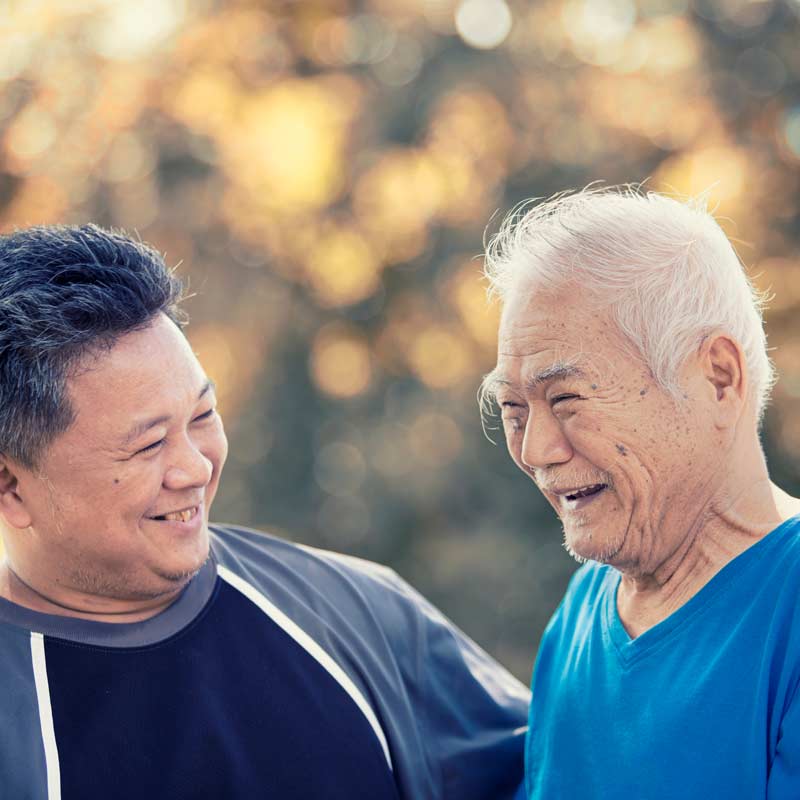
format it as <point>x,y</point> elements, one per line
<point>473,711</point>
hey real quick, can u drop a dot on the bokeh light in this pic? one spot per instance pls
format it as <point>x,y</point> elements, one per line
<point>287,144</point>
<point>791,129</point>
<point>340,361</point>
<point>483,23</point>
<point>127,31</point>
<point>436,439</point>
<point>440,356</point>
<point>342,268</point>
<point>340,469</point>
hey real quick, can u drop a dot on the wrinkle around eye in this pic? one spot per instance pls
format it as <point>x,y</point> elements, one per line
<point>150,448</point>
<point>564,396</point>
<point>513,425</point>
<point>513,413</point>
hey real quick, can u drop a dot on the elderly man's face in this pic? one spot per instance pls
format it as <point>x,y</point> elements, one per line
<point>621,463</point>
<point>121,506</point>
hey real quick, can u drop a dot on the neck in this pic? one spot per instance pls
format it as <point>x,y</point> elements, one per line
<point>723,531</point>
<point>79,605</point>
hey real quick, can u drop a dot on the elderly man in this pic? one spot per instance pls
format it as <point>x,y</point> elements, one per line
<point>632,374</point>
<point>149,654</point>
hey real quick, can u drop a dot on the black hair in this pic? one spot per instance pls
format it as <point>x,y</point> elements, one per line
<point>65,293</point>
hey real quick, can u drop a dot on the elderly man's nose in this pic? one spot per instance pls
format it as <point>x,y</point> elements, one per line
<point>544,444</point>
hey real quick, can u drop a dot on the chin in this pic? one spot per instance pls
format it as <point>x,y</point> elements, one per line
<point>581,543</point>
<point>177,579</point>
<point>182,566</point>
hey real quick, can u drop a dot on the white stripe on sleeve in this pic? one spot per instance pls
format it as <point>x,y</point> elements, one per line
<point>46,717</point>
<point>312,648</point>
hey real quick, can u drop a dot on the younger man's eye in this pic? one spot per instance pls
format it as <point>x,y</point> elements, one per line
<point>151,447</point>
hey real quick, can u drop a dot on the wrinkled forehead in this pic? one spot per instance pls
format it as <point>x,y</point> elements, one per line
<point>531,312</point>
<point>560,332</point>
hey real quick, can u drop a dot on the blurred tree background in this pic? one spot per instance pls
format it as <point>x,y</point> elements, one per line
<point>324,172</point>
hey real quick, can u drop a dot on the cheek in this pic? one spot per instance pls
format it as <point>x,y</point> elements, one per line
<point>220,444</point>
<point>644,467</point>
<point>134,489</point>
<point>514,445</point>
<point>514,431</point>
<point>609,446</point>
<point>214,446</point>
<point>588,434</point>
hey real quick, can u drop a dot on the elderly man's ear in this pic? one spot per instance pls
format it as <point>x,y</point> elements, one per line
<point>12,506</point>
<point>724,379</point>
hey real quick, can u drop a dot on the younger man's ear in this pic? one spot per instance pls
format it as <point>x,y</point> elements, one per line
<point>725,372</point>
<point>12,506</point>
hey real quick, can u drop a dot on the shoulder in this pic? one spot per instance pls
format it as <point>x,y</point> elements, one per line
<point>771,582</point>
<point>786,541</point>
<point>364,613</point>
<point>333,584</point>
<point>234,546</point>
<point>771,567</point>
<point>350,602</point>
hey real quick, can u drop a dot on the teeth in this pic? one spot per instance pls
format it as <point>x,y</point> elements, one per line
<point>180,516</point>
<point>584,490</point>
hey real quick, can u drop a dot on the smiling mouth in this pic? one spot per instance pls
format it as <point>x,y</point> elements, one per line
<point>586,491</point>
<point>178,516</point>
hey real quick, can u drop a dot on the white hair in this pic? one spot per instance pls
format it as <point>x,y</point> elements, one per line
<point>667,271</point>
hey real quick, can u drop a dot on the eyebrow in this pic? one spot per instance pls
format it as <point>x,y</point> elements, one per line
<point>140,428</point>
<point>557,371</point>
<point>553,373</point>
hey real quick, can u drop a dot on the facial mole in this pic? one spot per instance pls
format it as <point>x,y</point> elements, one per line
<point>594,387</point>
<point>116,480</point>
<point>643,392</point>
<point>622,450</point>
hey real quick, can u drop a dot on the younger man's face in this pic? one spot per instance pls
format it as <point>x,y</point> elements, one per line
<point>119,505</point>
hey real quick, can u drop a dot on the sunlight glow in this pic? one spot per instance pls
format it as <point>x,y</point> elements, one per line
<point>483,24</point>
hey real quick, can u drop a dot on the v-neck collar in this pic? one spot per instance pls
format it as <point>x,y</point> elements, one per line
<point>653,639</point>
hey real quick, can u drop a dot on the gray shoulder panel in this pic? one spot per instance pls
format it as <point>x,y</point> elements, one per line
<point>23,773</point>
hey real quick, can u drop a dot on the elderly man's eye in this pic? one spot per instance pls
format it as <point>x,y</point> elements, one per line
<point>563,397</point>
<point>512,418</point>
<point>509,409</point>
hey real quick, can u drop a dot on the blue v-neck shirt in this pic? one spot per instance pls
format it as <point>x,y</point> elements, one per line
<point>703,705</point>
